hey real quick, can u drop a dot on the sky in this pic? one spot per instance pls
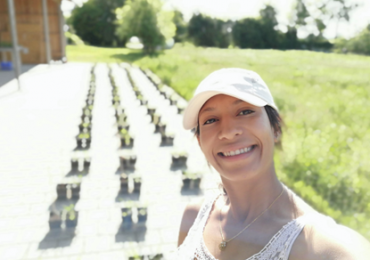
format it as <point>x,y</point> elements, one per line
<point>238,9</point>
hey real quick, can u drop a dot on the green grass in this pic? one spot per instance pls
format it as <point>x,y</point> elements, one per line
<point>323,99</point>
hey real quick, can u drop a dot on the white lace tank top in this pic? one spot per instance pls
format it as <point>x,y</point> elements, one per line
<point>278,248</point>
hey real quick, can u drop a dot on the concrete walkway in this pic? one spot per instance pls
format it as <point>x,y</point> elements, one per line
<point>37,135</point>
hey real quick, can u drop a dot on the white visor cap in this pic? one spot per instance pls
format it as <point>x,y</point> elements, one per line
<point>243,84</point>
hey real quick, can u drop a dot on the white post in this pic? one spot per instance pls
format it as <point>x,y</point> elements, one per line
<point>62,36</point>
<point>13,27</point>
<point>46,30</point>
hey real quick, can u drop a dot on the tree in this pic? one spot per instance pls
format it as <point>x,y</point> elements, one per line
<point>247,33</point>
<point>94,22</point>
<point>359,44</point>
<point>268,23</point>
<point>146,20</point>
<point>180,24</point>
<point>206,31</point>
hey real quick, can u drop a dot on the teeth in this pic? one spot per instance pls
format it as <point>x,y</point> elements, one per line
<point>240,151</point>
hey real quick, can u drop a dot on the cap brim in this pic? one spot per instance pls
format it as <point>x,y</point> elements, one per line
<point>190,119</point>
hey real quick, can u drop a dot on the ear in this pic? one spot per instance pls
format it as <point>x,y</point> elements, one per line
<point>277,136</point>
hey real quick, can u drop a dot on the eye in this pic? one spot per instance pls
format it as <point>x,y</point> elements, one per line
<point>209,121</point>
<point>245,112</point>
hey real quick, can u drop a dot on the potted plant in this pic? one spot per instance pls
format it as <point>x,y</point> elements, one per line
<point>180,108</point>
<point>151,110</point>
<point>137,185</point>
<point>123,125</point>
<point>155,257</point>
<point>61,191</point>
<point>179,158</point>
<point>126,216</point>
<point>122,117</point>
<point>160,128</point>
<point>74,165</point>
<point>83,141</point>
<point>126,140</point>
<point>124,184</point>
<point>142,214</point>
<point>142,100</point>
<point>191,180</point>
<point>85,127</point>
<point>71,216</point>
<point>87,163</point>
<point>116,99</point>
<point>128,162</point>
<point>55,221</point>
<point>173,99</point>
<point>75,190</point>
<point>167,139</point>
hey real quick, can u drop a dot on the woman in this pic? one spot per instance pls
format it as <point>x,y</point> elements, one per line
<point>237,126</point>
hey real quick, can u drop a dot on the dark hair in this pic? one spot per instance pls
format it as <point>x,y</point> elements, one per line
<point>275,121</point>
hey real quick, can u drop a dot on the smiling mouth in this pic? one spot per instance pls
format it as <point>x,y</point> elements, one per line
<point>237,152</point>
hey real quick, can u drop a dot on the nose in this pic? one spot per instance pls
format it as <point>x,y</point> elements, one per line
<point>229,130</point>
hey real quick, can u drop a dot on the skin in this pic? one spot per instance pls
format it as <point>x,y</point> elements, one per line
<point>227,124</point>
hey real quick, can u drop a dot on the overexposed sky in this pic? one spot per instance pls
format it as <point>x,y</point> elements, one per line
<point>237,9</point>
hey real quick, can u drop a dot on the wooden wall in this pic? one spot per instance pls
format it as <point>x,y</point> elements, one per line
<point>31,30</point>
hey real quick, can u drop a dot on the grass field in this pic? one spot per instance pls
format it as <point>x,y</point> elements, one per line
<point>323,99</point>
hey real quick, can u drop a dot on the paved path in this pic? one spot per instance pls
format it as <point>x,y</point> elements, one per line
<point>37,136</point>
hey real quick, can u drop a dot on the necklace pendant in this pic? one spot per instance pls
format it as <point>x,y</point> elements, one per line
<point>222,245</point>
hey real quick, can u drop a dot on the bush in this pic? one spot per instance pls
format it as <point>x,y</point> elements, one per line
<point>208,32</point>
<point>359,44</point>
<point>145,19</point>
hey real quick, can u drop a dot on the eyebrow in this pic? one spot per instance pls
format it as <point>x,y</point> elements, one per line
<point>208,109</point>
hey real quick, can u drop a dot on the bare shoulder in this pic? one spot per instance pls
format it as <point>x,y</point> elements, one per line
<point>190,213</point>
<point>325,239</point>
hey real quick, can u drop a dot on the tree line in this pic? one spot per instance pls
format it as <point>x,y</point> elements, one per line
<point>112,23</point>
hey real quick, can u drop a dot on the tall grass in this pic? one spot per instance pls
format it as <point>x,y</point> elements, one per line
<point>324,99</point>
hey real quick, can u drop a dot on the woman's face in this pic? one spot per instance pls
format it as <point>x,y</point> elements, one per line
<point>236,137</point>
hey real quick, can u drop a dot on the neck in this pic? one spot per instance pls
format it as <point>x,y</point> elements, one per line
<point>247,199</point>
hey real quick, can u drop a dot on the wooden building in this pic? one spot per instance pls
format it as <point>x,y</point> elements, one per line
<point>30,17</point>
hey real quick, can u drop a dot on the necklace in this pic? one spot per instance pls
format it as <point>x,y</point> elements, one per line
<point>223,244</point>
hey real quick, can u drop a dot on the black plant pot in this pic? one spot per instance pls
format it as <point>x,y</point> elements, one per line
<point>126,216</point>
<point>74,165</point>
<point>186,183</point>
<point>83,143</point>
<point>151,111</point>
<point>71,223</point>
<point>137,185</point>
<point>179,160</point>
<point>129,144</point>
<point>167,140</point>
<point>160,128</point>
<point>124,184</point>
<point>173,102</point>
<point>75,189</point>
<point>87,163</point>
<point>143,102</point>
<point>61,191</point>
<point>196,183</point>
<point>180,110</point>
<point>128,162</point>
<point>142,214</point>
<point>55,221</point>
